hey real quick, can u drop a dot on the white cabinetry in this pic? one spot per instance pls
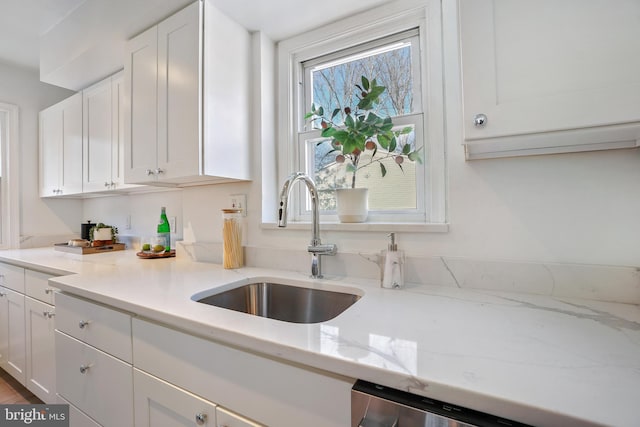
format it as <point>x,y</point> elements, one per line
<point>13,325</point>
<point>103,134</point>
<point>158,403</point>
<point>40,326</point>
<point>93,360</point>
<point>12,322</point>
<point>265,390</point>
<point>549,76</point>
<point>226,418</point>
<point>61,148</point>
<point>186,116</point>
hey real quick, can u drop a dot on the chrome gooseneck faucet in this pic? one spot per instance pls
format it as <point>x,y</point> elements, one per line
<point>315,248</point>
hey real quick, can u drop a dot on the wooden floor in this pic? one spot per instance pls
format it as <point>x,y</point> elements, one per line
<point>11,391</point>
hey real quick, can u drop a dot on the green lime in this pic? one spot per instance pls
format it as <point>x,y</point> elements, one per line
<point>146,247</point>
<point>158,248</point>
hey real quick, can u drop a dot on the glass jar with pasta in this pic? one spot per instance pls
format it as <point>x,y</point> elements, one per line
<point>232,252</point>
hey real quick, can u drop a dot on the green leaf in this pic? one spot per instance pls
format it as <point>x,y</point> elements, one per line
<point>372,117</point>
<point>365,83</point>
<point>393,144</point>
<point>320,111</point>
<point>308,115</point>
<point>406,149</point>
<point>335,113</point>
<point>328,132</point>
<point>406,130</point>
<point>384,141</point>
<point>365,103</point>
<point>415,157</point>
<point>351,168</point>
<point>348,121</point>
<point>383,169</point>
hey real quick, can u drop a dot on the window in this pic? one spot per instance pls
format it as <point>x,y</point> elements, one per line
<point>401,50</point>
<point>335,82</point>
<point>9,182</point>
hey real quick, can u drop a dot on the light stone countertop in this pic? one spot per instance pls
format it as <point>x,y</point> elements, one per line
<point>536,359</point>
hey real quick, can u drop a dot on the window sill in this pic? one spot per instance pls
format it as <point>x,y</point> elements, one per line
<point>365,226</point>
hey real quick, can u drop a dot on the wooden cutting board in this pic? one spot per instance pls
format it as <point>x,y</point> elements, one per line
<point>88,250</point>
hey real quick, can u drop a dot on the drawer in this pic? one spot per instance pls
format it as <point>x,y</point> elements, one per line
<point>105,328</point>
<point>96,383</point>
<point>77,418</point>
<point>37,286</point>
<point>12,277</point>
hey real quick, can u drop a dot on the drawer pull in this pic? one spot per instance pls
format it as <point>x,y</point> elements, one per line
<point>3,294</point>
<point>201,419</point>
<point>84,368</point>
<point>48,314</point>
<point>83,323</point>
<point>48,290</point>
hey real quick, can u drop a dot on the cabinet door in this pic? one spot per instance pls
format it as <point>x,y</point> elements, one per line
<point>98,136</point>
<point>546,66</point>
<point>99,385</point>
<point>179,115</point>
<point>229,419</point>
<point>158,403</point>
<point>71,168</point>
<point>50,150</point>
<point>40,347</point>
<point>117,132</point>
<point>140,106</point>
<point>16,348</point>
<point>4,327</point>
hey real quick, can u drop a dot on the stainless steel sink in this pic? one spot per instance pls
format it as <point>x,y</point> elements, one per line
<point>284,302</point>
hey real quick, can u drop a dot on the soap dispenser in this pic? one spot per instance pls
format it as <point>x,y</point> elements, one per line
<point>392,267</point>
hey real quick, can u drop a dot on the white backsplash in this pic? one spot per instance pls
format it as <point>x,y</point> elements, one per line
<point>594,282</point>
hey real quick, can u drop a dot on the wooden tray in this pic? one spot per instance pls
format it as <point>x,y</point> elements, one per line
<point>151,255</point>
<point>81,250</point>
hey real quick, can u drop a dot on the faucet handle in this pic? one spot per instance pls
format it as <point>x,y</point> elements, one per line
<point>326,249</point>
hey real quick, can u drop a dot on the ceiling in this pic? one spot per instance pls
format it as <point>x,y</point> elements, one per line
<point>24,22</point>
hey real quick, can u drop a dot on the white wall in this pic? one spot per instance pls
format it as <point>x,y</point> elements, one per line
<point>22,87</point>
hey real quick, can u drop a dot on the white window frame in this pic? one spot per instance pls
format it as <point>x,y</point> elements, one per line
<point>384,21</point>
<point>10,181</point>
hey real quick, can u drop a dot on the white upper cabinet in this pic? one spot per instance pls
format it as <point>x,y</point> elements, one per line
<point>61,148</point>
<point>548,77</point>
<point>186,105</point>
<point>103,133</point>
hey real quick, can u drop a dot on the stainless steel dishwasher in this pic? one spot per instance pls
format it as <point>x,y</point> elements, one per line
<point>374,405</point>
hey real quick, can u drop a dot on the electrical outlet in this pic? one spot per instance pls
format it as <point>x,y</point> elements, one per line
<point>172,224</point>
<point>239,201</point>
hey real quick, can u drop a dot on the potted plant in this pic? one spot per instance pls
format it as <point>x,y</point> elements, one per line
<point>361,140</point>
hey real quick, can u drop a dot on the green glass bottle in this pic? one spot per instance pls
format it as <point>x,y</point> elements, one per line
<point>164,231</point>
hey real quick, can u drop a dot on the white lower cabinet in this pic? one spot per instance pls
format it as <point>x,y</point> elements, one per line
<point>40,345</point>
<point>158,403</point>
<point>89,376</point>
<point>13,322</point>
<point>269,391</point>
<point>178,379</point>
<point>77,418</point>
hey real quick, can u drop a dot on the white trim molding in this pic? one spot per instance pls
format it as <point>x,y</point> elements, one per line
<point>10,182</point>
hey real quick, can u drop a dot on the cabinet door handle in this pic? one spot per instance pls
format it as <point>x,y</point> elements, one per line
<point>148,172</point>
<point>3,294</point>
<point>83,323</point>
<point>48,314</point>
<point>479,120</point>
<point>84,368</point>
<point>49,290</point>
<point>158,171</point>
<point>201,418</point>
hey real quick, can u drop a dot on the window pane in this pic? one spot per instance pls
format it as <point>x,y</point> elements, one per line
<point>334,82</point>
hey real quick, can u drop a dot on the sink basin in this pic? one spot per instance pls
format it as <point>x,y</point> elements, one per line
<point>289,303</point>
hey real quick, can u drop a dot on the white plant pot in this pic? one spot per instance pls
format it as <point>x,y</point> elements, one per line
<point>353,204</point>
